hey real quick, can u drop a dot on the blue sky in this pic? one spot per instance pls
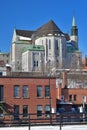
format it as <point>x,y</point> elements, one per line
<point>31,14</point>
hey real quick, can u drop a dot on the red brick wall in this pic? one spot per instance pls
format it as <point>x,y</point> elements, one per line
<point>79,92</point>
<point>32,101</point>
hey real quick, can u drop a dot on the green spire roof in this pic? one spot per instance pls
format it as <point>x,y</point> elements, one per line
<point>74,21</point>
<point>74,29</point>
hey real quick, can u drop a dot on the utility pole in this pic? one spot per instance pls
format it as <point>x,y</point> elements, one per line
<point>50,100</point>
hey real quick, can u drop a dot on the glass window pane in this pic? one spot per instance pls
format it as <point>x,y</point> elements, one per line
<point>16,112</point>
<point>39,110</point>
<point>16,91</point>
<point>70,97</point>
<point>49,44</point>
<point>39,91</point>
<point>1,92</point>
<point>47,110</point>
<point>25,91</point>
<point>47,91</point>
<point>74,97</point>
<point>25,110</point>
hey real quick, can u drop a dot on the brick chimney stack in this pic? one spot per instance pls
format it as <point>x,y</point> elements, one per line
<point>64,79</point>
<point>58,92</point>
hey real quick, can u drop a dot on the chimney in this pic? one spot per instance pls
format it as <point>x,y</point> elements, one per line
<point>58,92</point>
<point>64,79</point>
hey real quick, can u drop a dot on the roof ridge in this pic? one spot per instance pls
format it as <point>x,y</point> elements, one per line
<point>49,23</point>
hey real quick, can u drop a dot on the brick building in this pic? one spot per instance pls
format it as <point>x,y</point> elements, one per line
<point>23,95</point>
<point>72,92</point>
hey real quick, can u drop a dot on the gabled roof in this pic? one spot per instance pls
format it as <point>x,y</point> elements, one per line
<point>25,33</point>
<point>49,28</point>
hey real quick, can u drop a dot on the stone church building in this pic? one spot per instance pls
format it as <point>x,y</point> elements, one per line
<point>45,48</point>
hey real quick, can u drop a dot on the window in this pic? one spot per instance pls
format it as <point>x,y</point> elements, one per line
<point>1,92</point>
<point>16,112</point>
<point>35,64</point>
<point>84,98</point>
<point>49,44</point>
<point>42,42</point>
<point>25,110</point>
<point>56,44</point>
<point>25,91</point>
<point>16,91</point>
<point>70,97</point>
<point>47,110</point>
<point>47,91</point>
<point>39,91</point>
<point>7,61</point>
<point>39,110</point>
<point>75,97</point>
<point>46,49</point>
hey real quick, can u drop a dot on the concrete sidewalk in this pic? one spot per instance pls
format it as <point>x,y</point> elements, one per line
<point>71,127</point>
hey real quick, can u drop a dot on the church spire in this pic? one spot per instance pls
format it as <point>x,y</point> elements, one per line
<point>74,29</point>
<point>74,21</point>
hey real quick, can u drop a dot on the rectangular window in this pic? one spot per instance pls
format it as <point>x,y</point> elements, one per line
<point>56,44</point>
<point>47,110</point>
<point>16,112</point>
<point>46,49</point>
<point>84,99</point>
<point>39,110</point>
<point>70,97</point>
<point>75,97</point>
<point>49,44</point>
<point>39,91</point>
<point>25,91</point>
<point>1,92</point>
<point>47,91</point>
<point>16,91</point>
<point>25,110</point>
<point>35,64</point>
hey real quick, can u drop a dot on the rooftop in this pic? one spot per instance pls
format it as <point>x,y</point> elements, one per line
<point>33,48</point>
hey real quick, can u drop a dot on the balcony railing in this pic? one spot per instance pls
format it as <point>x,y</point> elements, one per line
<point>33,119</point>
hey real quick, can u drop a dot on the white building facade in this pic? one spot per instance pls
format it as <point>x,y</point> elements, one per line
<point>33,58</point>
<point>60,50</point>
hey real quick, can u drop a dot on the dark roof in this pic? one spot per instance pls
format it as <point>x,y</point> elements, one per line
<point>25,33</point>
<point>49,28</point>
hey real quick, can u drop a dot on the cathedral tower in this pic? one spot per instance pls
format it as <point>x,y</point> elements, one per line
<point>74,32</point>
